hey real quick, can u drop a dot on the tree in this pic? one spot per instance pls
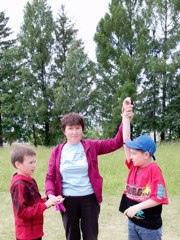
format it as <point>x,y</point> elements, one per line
<point>165,25</point>
<point>173,108</point>
<point>73,73</point>
<point>36,40</point>
<point>137,49</point>
<point>76,92</point>
<point>65,33</point>
<point>6,72</point>
<point>122,38</point>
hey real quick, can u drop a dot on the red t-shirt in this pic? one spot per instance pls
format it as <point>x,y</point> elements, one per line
<point>143,184</point>
<point>146,183</point>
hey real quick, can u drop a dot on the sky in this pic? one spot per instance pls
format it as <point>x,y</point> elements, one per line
<point>85,14</point>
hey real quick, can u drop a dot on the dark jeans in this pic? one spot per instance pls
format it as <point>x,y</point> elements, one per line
<point>81,215</point>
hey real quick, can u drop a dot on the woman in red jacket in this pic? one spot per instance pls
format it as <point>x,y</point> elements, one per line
<point>73,174</point>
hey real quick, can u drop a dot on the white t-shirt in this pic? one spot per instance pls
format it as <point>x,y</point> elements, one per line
<point>74,171</point>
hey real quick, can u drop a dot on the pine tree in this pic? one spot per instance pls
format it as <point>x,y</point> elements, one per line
<point>5,72</point>
<point>122,38</point>
<point>36,40</point>
<point>165,26</point>
<point>65,33</point>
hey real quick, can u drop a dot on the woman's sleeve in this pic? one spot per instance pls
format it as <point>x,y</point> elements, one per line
<point>109,145</point>
<point>51,175</point>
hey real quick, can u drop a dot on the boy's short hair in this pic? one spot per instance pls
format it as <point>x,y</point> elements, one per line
<point>143,143</point>
<point>19,153</point>
<point>71,119</point>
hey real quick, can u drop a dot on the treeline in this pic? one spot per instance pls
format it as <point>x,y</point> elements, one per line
<point>45,72</point>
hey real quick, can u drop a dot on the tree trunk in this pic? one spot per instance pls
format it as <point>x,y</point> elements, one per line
<point>34,136</point>
<point>47,137</point>
<point>1,136</point>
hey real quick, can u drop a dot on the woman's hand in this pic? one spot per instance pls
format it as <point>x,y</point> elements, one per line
<point>60,199</point>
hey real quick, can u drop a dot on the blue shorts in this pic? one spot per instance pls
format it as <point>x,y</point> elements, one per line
<point>136,232</point>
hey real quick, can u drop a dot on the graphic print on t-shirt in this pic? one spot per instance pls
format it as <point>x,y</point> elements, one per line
<point>138,193</point>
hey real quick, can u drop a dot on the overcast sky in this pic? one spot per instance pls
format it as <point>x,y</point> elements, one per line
<point>84,13</point>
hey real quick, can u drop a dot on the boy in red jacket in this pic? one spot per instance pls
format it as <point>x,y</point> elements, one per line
<point>28,206</point>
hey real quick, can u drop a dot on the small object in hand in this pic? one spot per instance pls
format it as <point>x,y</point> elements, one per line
<point>60,207</point>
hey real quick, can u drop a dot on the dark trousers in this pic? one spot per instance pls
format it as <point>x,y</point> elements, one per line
<point>81,217</point>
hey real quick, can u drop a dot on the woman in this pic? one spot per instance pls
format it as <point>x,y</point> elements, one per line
<point>73,174</point>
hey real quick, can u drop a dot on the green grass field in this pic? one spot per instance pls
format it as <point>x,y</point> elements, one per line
<point>112,224</point>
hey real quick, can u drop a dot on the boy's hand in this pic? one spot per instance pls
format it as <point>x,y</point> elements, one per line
<point>127,108</point>
<point>131,211</point>
<point>51,202</point>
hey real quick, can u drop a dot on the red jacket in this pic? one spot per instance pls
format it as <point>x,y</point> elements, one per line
<point>92,149</point>
<point>28,207</point>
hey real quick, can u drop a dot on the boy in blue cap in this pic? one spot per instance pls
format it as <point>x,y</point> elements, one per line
<point>145,190</point>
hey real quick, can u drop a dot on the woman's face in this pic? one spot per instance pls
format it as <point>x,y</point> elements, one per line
<point>73,133</point>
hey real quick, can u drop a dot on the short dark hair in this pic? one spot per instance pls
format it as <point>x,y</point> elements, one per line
<point>19,153</point>
<point>71,119</point>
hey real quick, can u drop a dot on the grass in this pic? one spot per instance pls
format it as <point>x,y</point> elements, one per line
<point>112,224</point>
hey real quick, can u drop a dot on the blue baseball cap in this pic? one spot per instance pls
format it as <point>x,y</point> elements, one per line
<point>144,143</point>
